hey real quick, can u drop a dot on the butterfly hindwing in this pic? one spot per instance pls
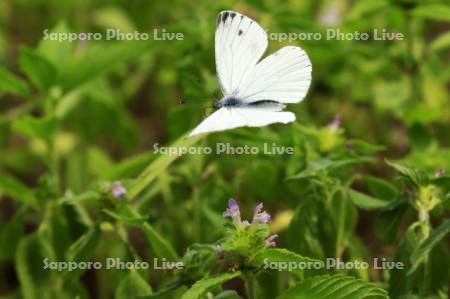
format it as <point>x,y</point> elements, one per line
<point>230,118</point>
<point>283,76</point>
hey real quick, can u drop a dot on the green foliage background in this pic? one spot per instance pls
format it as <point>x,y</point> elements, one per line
<point>77,116</point>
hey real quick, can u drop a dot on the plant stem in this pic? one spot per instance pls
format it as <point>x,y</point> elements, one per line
<point>250,285</point>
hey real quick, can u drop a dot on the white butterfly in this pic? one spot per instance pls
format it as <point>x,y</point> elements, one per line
<point>255,93</point>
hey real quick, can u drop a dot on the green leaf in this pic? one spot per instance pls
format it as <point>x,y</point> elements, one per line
<point>436,12</point>
<point>388,221</point>
<point>334,287</point>
<point>228,294</point>
<point>58,52</point>
<point>158,166</point>
<point>439,267</point>
<point>83,248</point>
<point>32,127</point>
<point>203,285</point>
<point>367,202</point>
<point>381,188</point>
<point>325,165</point>
<point>129,167</point>
<point>441,42</point>
<point>415,176</point>
<point>285,258</point>
<point>304,231</point>
<point>362,8</point>
<point>101,59</point>
<point>422,251</point>
<point>33,278</point>
<point>89,196</point>
<point>160,245</point>
<point>11,233</point>
<point>13,84</point>
<point>400,283</point>
<point>132,286</point>
<point>344,216</point>
<point>38,69</point>
<point>16,190</point>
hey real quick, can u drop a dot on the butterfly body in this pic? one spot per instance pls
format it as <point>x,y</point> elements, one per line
<point>255,91</point>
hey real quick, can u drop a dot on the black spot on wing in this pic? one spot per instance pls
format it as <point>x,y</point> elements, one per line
<point>240,32</point>
<point>225,16</point>
<point>233,14</point>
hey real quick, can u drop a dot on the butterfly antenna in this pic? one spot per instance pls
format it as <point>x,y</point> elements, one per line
<point>192,101</point>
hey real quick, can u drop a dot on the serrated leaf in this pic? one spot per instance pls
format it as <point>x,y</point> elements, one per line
<point>422,251</point>
<point>416,176</point>
<point>334,287</point>
<point>283,257</point>
<point>203,285</point>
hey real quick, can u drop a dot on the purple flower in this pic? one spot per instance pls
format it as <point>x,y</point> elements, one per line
<point>270,241</point>
<point>440,172</point>
<point>233,211</point>
<point>245,224</point>
<point>336,123</point>
<point>117,190</point>
<point>260,217</point>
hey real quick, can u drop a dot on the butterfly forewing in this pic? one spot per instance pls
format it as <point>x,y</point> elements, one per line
<point>239,44</point>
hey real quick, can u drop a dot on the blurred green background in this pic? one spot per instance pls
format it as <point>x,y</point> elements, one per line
<point>75,116</point>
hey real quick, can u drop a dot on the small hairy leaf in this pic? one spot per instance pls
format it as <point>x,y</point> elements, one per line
<point>334,287</point>
<point>203,285</point>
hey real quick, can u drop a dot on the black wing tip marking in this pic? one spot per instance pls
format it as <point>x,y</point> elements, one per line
<point>240,32</point>
<point>225,16</point>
